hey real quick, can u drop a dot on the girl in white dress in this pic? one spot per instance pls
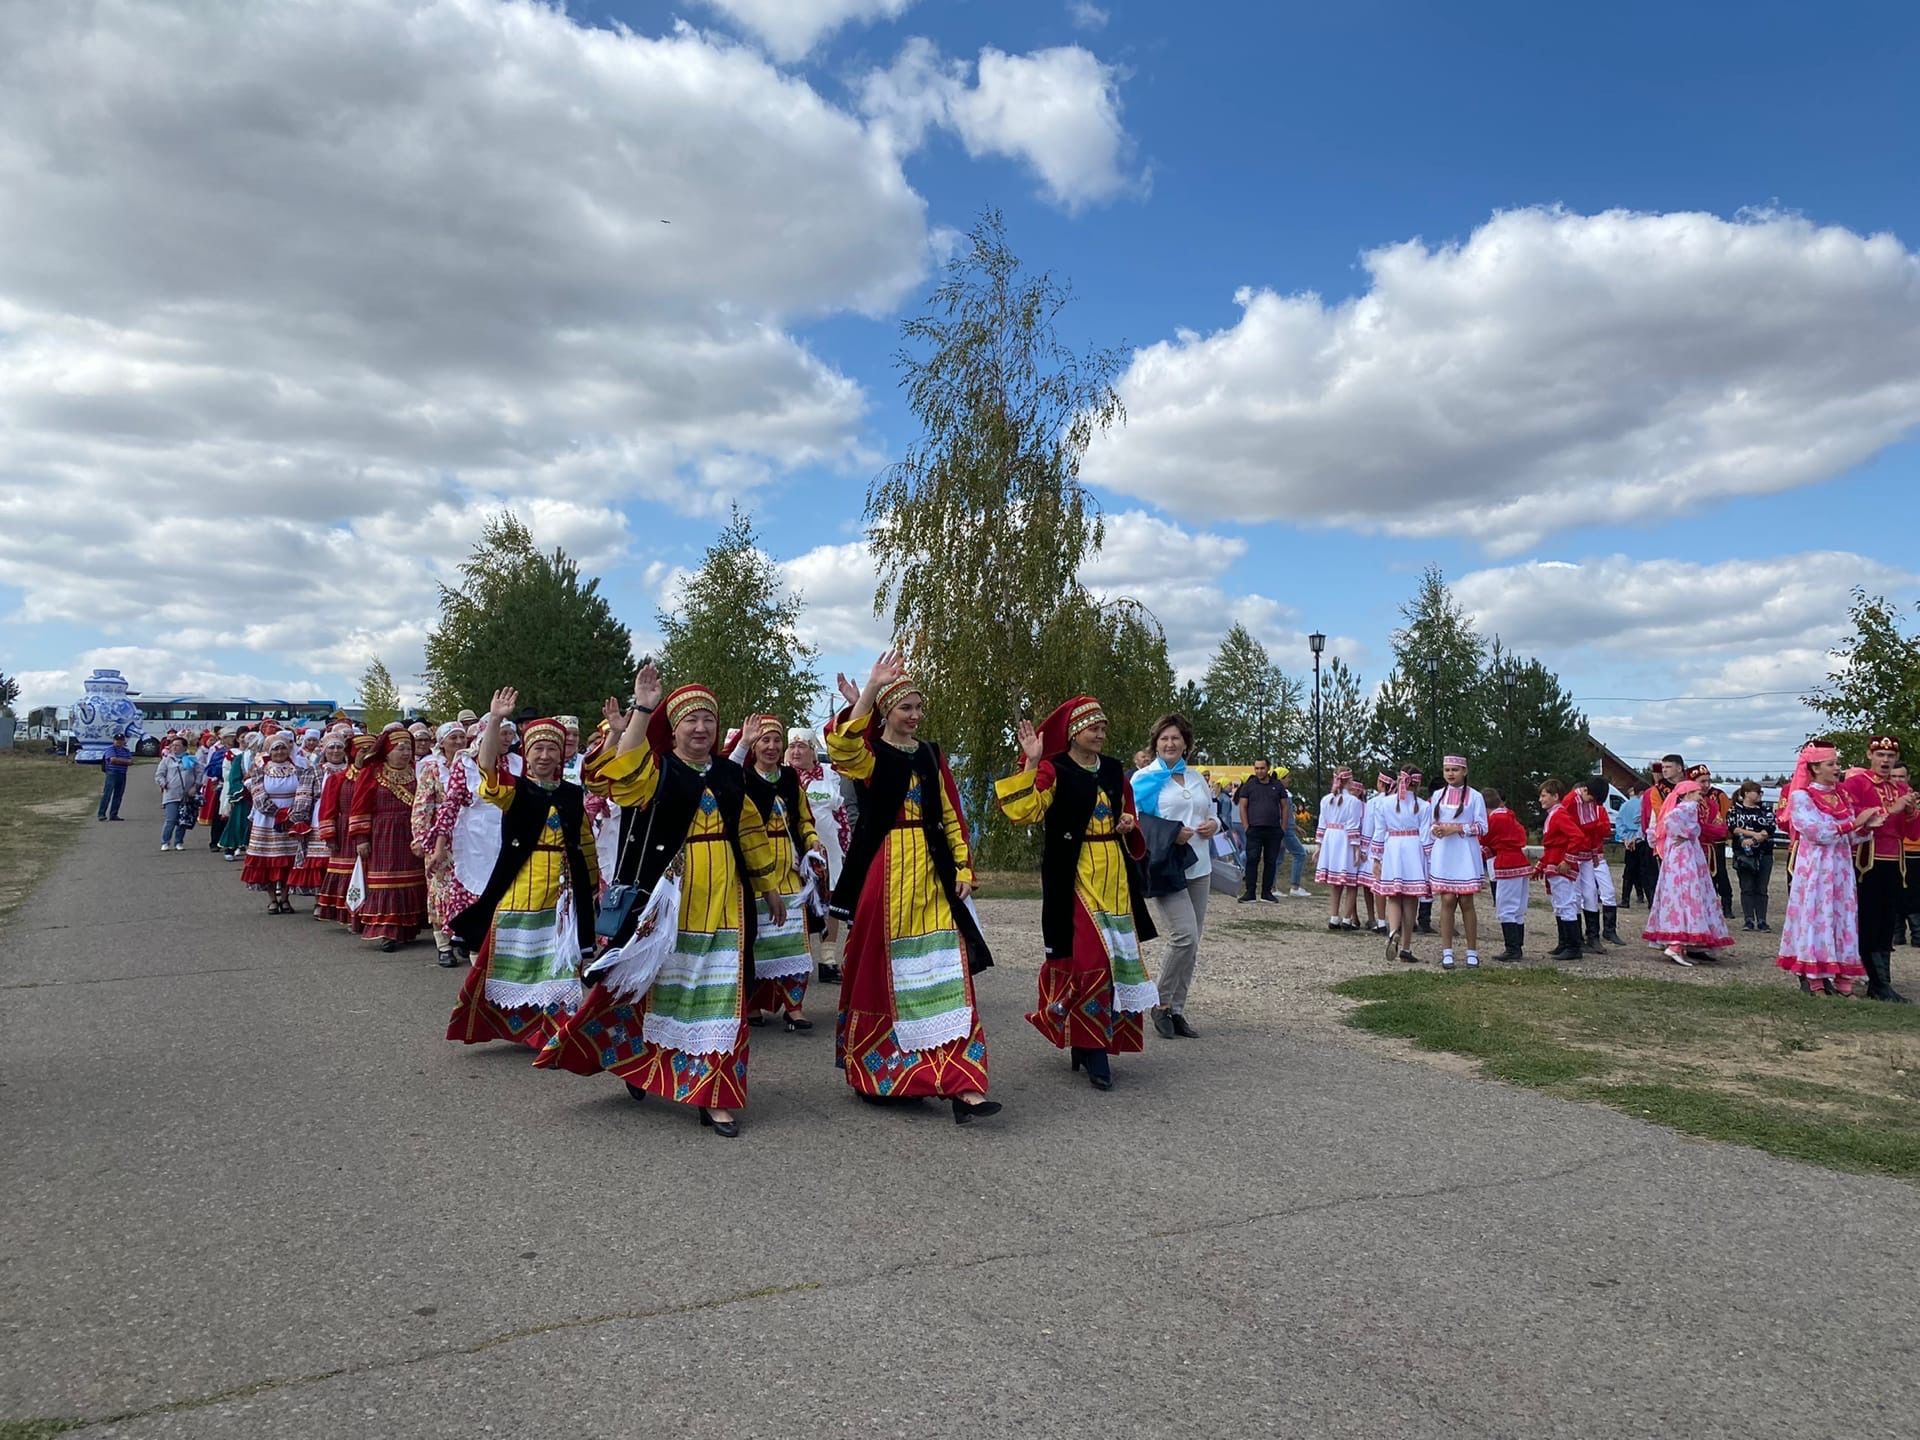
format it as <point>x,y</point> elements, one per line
<point>1400,861</point>
<point>1341,845</point>
<point>1456,865</point>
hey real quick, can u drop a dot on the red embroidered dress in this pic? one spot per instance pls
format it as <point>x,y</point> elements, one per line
<point>382,820</point>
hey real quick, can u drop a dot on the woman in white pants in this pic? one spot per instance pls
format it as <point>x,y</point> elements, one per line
<point>1168,789</point>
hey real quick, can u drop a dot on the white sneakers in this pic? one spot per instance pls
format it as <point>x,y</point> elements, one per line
<point>1298,894</point>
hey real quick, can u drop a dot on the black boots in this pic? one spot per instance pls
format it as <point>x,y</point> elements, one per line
<point>1424,922</point>
<point>1592,918</point>
<point>1569,946</point>
<point>1610,925</point>
<point>1880,978</point>
<point>1516,938</point>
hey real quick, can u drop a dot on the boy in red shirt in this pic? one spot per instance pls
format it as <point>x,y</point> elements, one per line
<point>1561,842</point>
<point>1505,845</point>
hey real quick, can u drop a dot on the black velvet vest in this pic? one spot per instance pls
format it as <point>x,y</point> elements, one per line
<point>659,830</point>
<point>1076,792</point>
<point>882,795</point>
<point>763,792</point>
<point>520,829</point>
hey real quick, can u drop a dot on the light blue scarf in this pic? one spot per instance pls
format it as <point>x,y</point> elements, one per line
<point>1148,783</point>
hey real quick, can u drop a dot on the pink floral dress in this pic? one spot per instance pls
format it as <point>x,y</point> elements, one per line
<point>1821,937</point>
<point>1686,911</point>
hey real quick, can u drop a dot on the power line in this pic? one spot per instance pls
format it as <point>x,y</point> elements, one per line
<point>1670,699</point>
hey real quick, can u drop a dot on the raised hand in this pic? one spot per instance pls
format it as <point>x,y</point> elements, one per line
<point>615,715</point>
<point>505,701</point>
<point>888,668</point>
<point>849,691</point>
<point>646,686</point>
<point>1031,744</point>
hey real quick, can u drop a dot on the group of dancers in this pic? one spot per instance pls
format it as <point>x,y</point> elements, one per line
<point>1851,833</point>
<point>638,905</point>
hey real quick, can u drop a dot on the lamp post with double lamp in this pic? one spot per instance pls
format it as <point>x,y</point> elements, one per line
<point>1510,677</point>
<point>1317,642</point>
<point>1433,706</point>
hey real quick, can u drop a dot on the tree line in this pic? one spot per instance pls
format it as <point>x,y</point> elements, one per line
<point>980,534</point>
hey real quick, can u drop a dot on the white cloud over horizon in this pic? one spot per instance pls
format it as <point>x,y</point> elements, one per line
<point>1552,370</point>
<point>290,306</point>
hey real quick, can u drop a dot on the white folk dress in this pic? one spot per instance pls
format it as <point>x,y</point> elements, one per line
<point>1456,865</point>
<point>1400,846</point>
<point>1340,835</point>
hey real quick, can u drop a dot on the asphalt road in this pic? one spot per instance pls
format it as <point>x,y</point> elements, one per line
<point>250,1192</point>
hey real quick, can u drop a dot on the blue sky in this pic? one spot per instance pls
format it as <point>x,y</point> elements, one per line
<point>1641,379</point>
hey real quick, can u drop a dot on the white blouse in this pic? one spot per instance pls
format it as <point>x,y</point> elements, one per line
<point>1191,805</point>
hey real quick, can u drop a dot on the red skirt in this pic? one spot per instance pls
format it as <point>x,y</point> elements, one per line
<point>476,1019</point>
<point>605,1034</point>
<point>332,901</point>
<point>311,874</point>
<point>864,1047</point>
<point>396,903</point>
<point>1076,997</point>
<point>265,872</point>
<point>783,996</point>
<point>209,802</point>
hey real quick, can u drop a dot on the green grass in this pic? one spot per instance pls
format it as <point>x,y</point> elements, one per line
<point>1009,885</point>
<point>36,1429</point>
<point>43,802</point>
<point>1827,1081</point>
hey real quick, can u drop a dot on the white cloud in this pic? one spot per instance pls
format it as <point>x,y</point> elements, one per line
<point>1721,633</point>
<point>1057,110</point>
<point>1087,16</point>
<point>837,584</point>
<point>1553,370</point>
<point>791,28</point>
<point>291,302</point>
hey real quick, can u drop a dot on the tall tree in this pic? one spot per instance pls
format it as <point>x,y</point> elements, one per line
<point>1253,708</point>
<point>1191,701</point>
<point>379,699</point>
<point>734,627</point>
<point>1536,732</point>
<point>1116,651</point>
<point>980,530</point>
<point>1873,687</point>
<point>523,618</point>
<point>1346,722</point>
<point>9,692</point>
<point>1433,702</point>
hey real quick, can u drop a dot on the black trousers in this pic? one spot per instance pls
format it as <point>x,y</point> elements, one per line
<point>1722,882</point>
<point>1882,903</point>
<point>1263,857</point>
<point>1753,887</point>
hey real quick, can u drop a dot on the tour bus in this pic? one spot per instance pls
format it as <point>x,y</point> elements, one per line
<point>193,713</point>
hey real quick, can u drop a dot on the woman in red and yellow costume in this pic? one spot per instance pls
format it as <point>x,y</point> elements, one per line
<point>781,960</point>
<point>668,1009</point>
<point>908,1023</point>
<point>1093,912</point>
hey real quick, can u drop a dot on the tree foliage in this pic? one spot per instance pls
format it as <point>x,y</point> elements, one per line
<point>1422,713</point>
<point>1116,651</point>
<point>379,698</point>
<point>734,628</point>
<point>9,692</point>
<point>1873,687</point>
<point>1346,722</point>
<point>1254,710</point>
<point>1534,732</point>
<point>523,618</point>
<point>980,530</point>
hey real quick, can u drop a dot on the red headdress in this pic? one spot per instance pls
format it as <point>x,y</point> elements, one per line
<point>542,730</point>
<point>1680,791</point>
<point>1883,743</point>
<point>373,775</point>
<point>1067,720</point>
<point>892,693</point>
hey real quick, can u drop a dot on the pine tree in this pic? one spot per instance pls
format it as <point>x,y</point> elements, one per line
<point>734,628</point>
<point>1422,713</point>
<point>1346,723</point>
<point>1535,734</point>
<point>525,619</point>
<point>1254,710</point>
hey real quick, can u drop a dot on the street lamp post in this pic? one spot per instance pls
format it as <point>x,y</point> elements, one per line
<point>1510,677</point>
<point>1433,706</point>
<point>1319,643</point>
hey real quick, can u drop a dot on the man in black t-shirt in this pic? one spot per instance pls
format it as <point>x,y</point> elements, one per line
<point>1262,806</point>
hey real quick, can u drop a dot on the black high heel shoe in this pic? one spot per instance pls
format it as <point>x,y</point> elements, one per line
<point>798,1024</point>
<point>965,1114</point>
<point>725,1129</point>
<point>639,1093</point>
<point>1099,1071</point>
